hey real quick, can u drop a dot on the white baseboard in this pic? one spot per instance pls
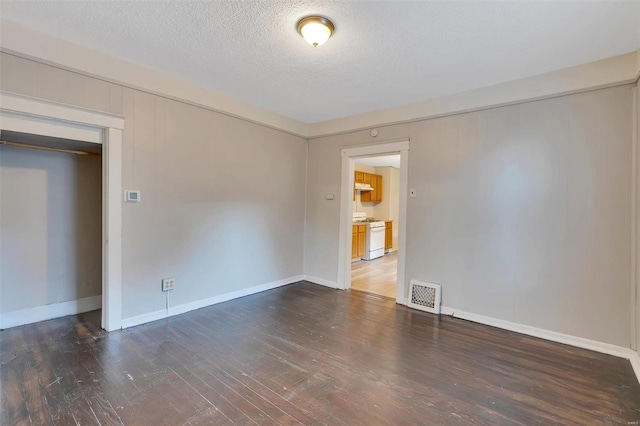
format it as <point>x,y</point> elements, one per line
<point>144,318</point>
<point>47,312</point>
<point>186,307</point>
<point>606,348</point>
<point>635,363</point>
<point>320,281</point>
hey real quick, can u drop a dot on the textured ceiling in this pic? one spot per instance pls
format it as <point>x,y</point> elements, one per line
<point>383,54</point>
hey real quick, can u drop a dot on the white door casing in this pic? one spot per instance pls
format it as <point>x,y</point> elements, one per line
<point>36,116</point>
<point>349,154</point>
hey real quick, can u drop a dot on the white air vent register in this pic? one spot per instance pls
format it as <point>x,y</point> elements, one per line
<point>425,296</point>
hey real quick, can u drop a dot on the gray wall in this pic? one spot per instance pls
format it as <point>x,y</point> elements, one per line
<point>523,213</point>
<point>222,199</point>
<point>51,227</point>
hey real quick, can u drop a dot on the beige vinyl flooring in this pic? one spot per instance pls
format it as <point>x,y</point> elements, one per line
<point>376,276</point>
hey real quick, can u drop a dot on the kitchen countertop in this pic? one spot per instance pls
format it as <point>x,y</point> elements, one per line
<point>373,220</point>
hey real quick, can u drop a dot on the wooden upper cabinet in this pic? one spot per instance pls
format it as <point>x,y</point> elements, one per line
<point>359,178</point>
<point>375,181</point>
<point>374,196</point>
<point>365,196</point>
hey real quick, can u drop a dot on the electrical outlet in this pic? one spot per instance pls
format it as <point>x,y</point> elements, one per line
<point>168,284</point>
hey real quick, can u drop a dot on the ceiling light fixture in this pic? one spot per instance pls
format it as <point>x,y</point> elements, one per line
<point>316,30</point>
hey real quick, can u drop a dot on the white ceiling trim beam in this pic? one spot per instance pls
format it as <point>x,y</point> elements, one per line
<point>617,70</point>
<point>26,42</point>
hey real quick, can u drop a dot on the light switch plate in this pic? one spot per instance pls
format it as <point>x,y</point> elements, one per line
<point>132,196</point>
<point>412,193</point>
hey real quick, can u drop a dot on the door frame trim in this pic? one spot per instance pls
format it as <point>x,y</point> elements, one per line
<point>349,154</point>
<point>42,117</point>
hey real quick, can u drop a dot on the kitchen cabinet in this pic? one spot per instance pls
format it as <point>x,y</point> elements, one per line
<point>358,235</point>
<point>354,242</point>
<point>374,196</point>
<point>365,196</point>
<point>359,178</point>
<point>388,235</point>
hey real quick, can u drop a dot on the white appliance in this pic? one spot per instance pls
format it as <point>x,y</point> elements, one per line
<point>374,242</point>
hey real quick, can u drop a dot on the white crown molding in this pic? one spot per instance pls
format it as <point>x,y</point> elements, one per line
<point>47,312</point>
<point>186,307</point>
<point>614,71</point>
<point>31,44</point>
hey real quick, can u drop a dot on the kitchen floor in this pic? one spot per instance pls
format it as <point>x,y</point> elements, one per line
<point>376,276</point>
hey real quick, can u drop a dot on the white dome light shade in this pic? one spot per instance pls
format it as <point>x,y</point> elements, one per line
<point>315,34</point>
<point>316,30</point>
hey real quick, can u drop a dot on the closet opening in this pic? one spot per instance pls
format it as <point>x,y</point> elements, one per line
<point>51,224</point>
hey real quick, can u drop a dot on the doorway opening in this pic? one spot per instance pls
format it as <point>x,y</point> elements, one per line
<point>374,201</point>
<point>376,211</point>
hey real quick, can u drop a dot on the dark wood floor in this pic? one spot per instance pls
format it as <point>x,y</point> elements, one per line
<point>305,354</point>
